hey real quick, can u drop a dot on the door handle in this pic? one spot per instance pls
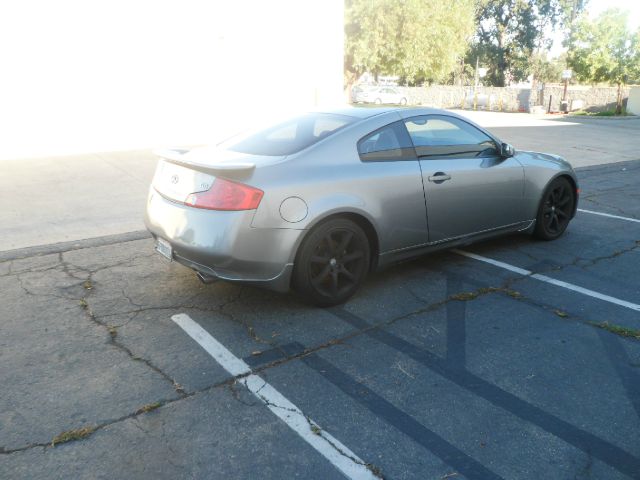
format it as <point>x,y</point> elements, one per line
<point>439,177</point>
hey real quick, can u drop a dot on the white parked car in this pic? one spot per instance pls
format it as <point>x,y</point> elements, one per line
<point>379,95</point>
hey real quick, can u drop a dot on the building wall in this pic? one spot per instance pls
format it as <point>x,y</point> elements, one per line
<point>633,104</point>
<point>80,76</point>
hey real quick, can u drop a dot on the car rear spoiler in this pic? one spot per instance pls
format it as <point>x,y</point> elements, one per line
<point>176,156</point>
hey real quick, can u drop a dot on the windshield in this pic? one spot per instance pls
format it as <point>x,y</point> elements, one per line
<point>290,136</point>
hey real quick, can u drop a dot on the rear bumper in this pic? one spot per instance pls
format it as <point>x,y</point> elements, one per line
<point>224,244</point>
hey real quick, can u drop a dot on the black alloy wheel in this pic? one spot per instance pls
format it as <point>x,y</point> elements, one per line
<point>556,209</point>
<point>332,263</point>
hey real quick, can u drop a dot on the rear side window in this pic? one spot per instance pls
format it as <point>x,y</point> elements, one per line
<point>438,136</point>
<point>290,136</point>
<point>387,144</point>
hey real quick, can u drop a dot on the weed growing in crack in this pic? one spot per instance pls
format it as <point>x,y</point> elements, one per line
<point>316,429</point>
<point>178,388</point>
<point>83,303</point>
<point>87,285</point>
<point>467,296</point>
<point>561,313</point>
<point>113,331</point>
<point>149,407</point>
<point>72,435</point>
<point>618,330</point>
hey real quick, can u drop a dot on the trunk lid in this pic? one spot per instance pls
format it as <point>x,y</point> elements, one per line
<point>180,172</point>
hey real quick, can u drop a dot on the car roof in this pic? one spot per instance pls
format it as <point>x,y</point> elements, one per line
<point>368,112</point>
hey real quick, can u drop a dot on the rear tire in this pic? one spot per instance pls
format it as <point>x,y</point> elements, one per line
<point>403,101</point>
<point>377,101</point>
<point>332,263</point>
<point>555,210</point>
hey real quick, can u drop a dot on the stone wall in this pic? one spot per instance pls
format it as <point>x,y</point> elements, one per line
<point>513,99</point>
<point>593,99</point>
<point>447,96</point>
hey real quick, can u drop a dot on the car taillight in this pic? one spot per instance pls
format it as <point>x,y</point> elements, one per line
<point>226,195</point>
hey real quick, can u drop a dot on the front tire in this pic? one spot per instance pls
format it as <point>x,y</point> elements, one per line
<point>332,263</point>
<point>378,101</point>
<point>555,210</point>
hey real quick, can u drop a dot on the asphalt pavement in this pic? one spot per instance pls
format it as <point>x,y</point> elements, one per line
<point>512,359</point>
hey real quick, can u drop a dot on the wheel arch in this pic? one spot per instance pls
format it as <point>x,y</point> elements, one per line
<point>359,219</point>
<point>574,184</point>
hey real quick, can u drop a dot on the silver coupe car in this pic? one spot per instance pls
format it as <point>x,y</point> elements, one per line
<point>322,199</point>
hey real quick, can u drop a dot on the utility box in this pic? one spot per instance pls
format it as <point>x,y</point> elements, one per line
<point>633,103</point>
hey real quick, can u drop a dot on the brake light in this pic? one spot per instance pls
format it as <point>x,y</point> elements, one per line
<point>226,195</point>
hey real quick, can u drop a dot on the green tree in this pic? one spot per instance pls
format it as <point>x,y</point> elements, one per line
<point>604,50</point>
<point>414,39</point>
<point>546,70</point>
<point>512,33</point>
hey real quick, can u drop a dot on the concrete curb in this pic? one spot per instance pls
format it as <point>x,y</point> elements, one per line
<point>39,250</point>
<point>594,118</point>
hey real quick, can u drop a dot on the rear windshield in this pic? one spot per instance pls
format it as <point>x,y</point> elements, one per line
<point>290,136</point>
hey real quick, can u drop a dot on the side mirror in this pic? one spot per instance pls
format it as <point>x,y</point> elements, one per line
<point>507,150</point>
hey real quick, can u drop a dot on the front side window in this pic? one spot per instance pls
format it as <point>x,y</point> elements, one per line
<point>387,144</point>
<point>290,136</point>
<point>439,136</point>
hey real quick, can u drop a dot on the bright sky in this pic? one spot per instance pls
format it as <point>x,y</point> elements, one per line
<point>82,76</point>
<point>596,7</point>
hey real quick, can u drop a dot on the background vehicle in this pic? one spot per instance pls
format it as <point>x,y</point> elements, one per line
<point>320,200</point>
<point>379,95</point>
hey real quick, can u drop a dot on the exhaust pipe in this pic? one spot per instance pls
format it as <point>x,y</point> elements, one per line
<point>206,279</point>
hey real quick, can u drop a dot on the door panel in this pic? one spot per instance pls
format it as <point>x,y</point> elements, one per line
<point>468,186</point>
<point>395,177</point>
<point>481,194</point>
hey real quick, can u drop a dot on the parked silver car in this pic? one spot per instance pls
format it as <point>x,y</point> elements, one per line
<point>379,95</point>
<point>322,199</point>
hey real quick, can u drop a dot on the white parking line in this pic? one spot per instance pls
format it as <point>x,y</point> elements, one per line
<point>329,447</point>
<point>609,215</point>
<point>552,281</point>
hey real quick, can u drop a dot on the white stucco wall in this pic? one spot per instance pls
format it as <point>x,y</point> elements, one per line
<point>633,104</point>
<point>88,75</point>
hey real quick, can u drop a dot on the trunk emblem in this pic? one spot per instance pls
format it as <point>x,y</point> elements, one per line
<point>174,179</point>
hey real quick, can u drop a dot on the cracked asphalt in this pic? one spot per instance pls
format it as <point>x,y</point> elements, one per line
<point>442,367</point>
